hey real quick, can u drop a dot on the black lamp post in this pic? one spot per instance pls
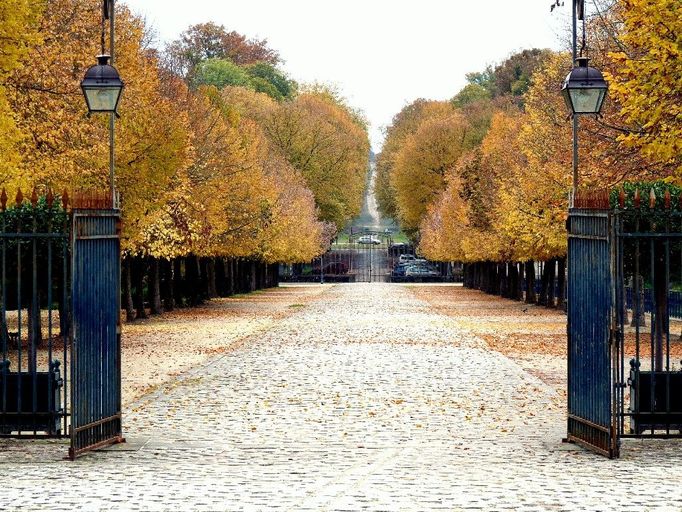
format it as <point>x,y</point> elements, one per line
<point>584,89</point>
<point>102,88</point>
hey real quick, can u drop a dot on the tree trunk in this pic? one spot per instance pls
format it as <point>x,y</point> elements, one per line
<point>547,288</point>
<point>211,278</point>
<point>494,279</point>
<point>179,282</point>
<point>155,275</point>
<point>519,279</point>
<point>513,281</point>
<point>253,281</point>
<point>638,314</point>
<point>221,283</point>
<point>167,285</point>
<point>502,279</point>
<point>227,270</point>
<point>139,270</point>
<point>232,273</point>
<point>128,288</point>
<point>192,280</point>
<point>660,321</point>
<point>529,270</point>
<point>561,284</point>
<point>551,282</point>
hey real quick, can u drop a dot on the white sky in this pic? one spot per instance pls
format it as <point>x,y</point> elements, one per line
<point>382,54</point>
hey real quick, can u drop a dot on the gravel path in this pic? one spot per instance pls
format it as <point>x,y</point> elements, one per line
<point>365,398</point>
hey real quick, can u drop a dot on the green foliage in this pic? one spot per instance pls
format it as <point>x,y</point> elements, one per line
<point>471,93</point>
<point>513,76</point>
<point>206,41</point>
<point>268,79</point>
<point>221,73</point>
<point>20,218</point>
<point>645,188</point>
<point>484,79</point>
<point>510,78</point>
<point>259,77</point>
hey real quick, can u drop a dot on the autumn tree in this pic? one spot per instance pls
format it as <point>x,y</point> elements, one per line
<point>206,41</point>
<point>327,142</point>
<point>422,163</point>
<point>66,149</point>
<point>404,124</point>
<point>647,79</point>
<point>220,73</point>
<point>291,231</point>
<point>17,33</point>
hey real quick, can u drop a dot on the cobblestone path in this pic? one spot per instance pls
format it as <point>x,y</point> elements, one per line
<point>365,399</point>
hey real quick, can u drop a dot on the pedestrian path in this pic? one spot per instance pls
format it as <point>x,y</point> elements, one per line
<point>364,399</point>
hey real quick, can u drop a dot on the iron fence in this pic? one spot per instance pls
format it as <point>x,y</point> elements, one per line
<point>649,371</point>
<point>34,319</point>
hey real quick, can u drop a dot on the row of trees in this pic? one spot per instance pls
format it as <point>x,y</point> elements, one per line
<point>485,177</point>
<point>220,157</point>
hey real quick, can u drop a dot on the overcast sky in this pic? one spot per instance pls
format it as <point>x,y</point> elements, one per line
<point>382,54</point>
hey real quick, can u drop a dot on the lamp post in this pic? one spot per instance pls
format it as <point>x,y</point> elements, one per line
<point>584,89</point>
<point>102,88</point>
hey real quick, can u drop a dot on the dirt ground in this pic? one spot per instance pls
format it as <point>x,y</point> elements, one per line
<point>532,336</point>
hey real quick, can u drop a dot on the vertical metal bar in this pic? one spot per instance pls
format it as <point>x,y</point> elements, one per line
<point>65,323</point>
<point>574,54</point>
<point>34,320</point>
<point>639,281</point>
<point>4,326</point>
<point>50,392</point>
<point>654,319</point>
<point>19,354</point>
<point>666,325</point>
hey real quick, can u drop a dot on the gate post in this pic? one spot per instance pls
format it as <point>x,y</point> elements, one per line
<point>96,333</point>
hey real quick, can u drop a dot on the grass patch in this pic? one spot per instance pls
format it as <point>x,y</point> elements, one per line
<point>296,305</point>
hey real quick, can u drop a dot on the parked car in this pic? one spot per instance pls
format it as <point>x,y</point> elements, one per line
<point>405,258</point>
<point>420,271</point>
<point>399,270</point>
<point>369,239</point>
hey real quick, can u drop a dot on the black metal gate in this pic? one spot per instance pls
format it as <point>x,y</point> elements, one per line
<point>96,347</point>
<point>34,318</point>
<point>370,262</point>
<point>60,373</point>
<point>591,418</point>
<point>649,305</point>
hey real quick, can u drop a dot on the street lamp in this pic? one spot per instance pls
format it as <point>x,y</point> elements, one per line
<point>584,89</point>
<point>102,87</point>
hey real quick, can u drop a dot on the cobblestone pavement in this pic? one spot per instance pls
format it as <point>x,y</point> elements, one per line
<point>364,399</point>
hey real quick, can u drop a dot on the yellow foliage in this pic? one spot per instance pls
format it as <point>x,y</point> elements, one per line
<point>647,79</point>
<point>328,144</point>
<point>418,176</point>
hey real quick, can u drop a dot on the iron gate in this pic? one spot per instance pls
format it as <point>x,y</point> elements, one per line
<point>96,347</point>
<point>649,266</point>
<point>60,373</point>
<point>591,418</point>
